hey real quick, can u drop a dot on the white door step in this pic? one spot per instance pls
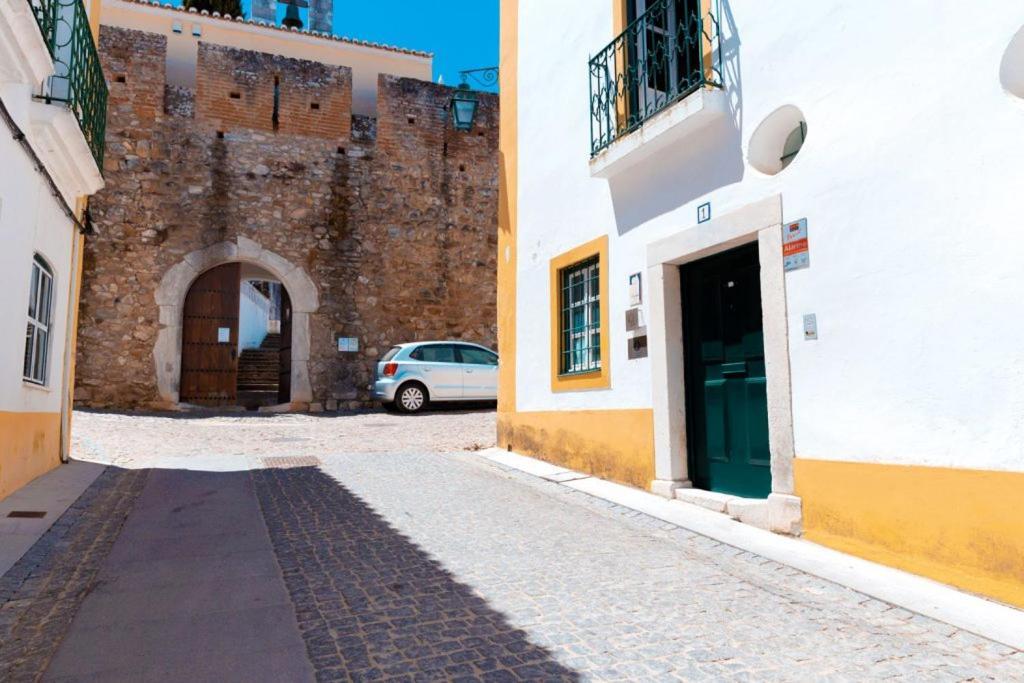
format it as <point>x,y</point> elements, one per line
<point>753,511</point>
<point>716,502</point>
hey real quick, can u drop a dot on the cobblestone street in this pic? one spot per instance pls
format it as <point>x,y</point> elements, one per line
<point>381,555</point>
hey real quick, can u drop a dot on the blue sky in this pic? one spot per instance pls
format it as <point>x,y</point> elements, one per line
<point>462,34</point>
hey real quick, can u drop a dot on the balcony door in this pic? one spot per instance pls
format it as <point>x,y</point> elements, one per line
<point>667,52</point>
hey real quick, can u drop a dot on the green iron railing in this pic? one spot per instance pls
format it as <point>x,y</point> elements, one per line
<point>78,78</point>
<point>670,51</point>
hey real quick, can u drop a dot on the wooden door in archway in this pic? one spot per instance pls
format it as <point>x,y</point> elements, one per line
<point>209,338</point>
<point>284,381</point>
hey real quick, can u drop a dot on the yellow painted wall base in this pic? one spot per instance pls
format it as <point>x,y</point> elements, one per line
<point>962,527</point>
<point>29,447</point>
<point>611,444</point>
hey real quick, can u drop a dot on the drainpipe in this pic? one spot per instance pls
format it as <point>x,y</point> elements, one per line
<point>70,342</point>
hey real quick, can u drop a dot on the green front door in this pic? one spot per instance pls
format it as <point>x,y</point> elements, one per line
<point>727,408</point>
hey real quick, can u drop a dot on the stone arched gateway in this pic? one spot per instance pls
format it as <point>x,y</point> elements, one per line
<point>174,287</point>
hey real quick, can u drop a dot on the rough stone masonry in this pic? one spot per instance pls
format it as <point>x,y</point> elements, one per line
<point>393,219</point>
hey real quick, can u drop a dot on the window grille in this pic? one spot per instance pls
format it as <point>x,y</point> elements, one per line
<point>37,335</point>
<point>670,51</point>
<point>580,306</point>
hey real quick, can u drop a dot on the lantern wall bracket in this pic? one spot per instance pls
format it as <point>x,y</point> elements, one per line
<point>485,77</point>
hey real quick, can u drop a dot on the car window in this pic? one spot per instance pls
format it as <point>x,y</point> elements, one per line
<point>392,352</point>
<point>434,353</point>
<point>471,354</point>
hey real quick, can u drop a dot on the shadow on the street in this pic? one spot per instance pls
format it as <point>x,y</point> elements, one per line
<point>385,606</point>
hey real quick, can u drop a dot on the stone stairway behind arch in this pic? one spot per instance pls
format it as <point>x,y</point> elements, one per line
<point>258,374</point>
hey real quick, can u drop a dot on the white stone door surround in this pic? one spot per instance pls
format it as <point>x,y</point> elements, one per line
<point>759,222</point>
<point>170,297</point>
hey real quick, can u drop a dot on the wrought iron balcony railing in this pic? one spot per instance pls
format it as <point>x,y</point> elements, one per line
<point>669,52</point>
<point>78,78</point>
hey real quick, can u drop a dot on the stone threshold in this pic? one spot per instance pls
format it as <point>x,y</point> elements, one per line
<point>747,510</point>
<point>972,613</point>
<point>778,512</point>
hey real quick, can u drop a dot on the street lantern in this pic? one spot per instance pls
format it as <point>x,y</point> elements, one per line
<point>465,101</point>
<point>464,105</point>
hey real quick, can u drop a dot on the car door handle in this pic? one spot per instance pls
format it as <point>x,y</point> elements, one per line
<point>469,371</point>
<point>426,369</point>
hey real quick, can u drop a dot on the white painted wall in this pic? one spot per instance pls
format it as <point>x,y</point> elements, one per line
<point>31,221</point>
<point>910,178</point>
<point>253,317</point>
<point>366,61</point>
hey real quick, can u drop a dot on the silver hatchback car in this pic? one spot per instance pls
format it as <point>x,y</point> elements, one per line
<point>410,376</point>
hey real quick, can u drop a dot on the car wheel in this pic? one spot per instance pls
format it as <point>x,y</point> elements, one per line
<point>412,398</point>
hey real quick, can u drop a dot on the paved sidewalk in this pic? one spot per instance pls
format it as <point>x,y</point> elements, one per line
<point>41,593</point>
<point>51,494</point>
<point>617,595</point>
<point>360,564</point>
<point>190,592</point>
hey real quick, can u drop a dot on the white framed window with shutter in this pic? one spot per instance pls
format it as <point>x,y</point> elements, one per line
<point>40,314</point>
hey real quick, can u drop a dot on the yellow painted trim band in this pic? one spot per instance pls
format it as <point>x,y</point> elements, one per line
<point>29,447</point>
<point>507,202</point>
<point>620,14</point>
<point>961,527</point>
<point>611,444</point>
<point>94,18</point>
<point>592,380</point>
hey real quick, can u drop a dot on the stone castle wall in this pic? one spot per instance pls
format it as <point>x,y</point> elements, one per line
<point>241,89</point>
<point>394,219</point>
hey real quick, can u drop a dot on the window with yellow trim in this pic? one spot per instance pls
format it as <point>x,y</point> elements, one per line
<point>580,318</point>
<point>580,351</point>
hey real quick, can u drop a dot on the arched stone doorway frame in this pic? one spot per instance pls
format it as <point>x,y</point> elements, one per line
<point>170,297</point>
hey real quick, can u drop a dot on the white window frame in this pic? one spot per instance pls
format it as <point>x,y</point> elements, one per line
<point>36,369</point>
<point>667,34</point>
<point>583,353</point>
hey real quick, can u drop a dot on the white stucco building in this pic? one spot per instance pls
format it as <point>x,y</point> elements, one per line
<point>51,143</point>
<point>657,155</point>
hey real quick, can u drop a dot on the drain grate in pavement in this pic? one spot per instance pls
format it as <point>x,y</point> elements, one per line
<point>41,593</point>
<point>26,514</point>
<point>286,463</point>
